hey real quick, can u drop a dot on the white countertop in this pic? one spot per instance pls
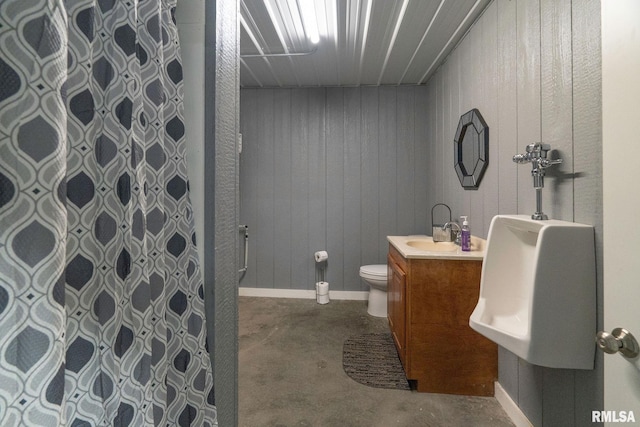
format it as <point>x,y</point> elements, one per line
<point>401,244</point>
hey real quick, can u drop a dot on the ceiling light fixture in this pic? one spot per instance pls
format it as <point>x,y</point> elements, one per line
<point>309,20</point>
<point>278,21</point>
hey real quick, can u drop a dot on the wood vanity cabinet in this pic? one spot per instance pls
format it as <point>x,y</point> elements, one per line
<point>429,305</point>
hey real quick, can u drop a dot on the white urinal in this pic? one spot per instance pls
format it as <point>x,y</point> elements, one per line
<point>538,291</point>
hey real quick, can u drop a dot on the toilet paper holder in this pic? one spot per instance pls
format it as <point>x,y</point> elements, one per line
<point>438,232</point>
<point>320,258</point>
<point>244,229</point>
<point>322,287</point>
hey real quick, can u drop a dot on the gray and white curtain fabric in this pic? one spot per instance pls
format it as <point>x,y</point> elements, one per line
<point>101,299</point>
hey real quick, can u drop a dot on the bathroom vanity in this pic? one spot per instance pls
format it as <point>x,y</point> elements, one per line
<point>432,290</point>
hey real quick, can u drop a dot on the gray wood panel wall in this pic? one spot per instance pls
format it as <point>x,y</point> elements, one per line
<point>532,68</point>
<point>334,169</point>
<point>339,169</point>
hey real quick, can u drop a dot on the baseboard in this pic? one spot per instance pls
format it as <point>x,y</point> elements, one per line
<point>301,293</point>
<point>510,407</point>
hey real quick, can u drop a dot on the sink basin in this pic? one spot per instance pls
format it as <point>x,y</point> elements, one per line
<point>429,245</point>
<point>418,246</point>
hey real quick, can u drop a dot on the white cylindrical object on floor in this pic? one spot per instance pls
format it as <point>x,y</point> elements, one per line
<point>321,256</point>
<point>322,292</point>
<point>322,288</point>
<point>322,299</point>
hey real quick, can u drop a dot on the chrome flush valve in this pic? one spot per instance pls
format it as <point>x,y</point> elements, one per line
<point>537,155</point>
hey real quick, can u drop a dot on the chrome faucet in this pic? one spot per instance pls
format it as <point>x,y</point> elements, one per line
<point>537,155</point>
<point>457,232</point>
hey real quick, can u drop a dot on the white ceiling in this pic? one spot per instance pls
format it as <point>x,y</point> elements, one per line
<point>362,42</point>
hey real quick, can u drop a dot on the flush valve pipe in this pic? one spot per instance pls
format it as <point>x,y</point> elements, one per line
<point>536,154</point>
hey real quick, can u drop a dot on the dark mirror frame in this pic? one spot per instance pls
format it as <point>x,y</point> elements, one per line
<point>471,121</point>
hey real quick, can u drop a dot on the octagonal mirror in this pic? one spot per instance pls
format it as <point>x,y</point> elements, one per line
<point>471,149</point>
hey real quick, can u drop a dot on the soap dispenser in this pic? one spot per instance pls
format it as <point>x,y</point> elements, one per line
<point>465,235</point>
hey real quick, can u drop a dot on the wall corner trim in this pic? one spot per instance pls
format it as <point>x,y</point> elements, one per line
<point>510,407</point>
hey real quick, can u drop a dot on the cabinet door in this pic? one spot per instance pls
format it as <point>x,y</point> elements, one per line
<point>396,313</point>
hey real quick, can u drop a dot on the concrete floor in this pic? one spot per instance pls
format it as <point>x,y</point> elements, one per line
<point>290,373</point>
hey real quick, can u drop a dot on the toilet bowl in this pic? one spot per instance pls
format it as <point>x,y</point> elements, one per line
<point>376,277</point>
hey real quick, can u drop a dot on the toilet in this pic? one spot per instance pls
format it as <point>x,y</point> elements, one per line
<point>376,277</point>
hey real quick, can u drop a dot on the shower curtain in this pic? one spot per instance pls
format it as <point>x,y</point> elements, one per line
<point>101,298</point>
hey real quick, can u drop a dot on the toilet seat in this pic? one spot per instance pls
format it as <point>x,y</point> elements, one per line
<point>374,271</point>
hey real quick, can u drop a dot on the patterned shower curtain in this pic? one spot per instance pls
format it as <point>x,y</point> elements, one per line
<point>101,298</point>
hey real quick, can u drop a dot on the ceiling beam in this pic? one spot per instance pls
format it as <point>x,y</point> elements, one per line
<point>393,39</point>
<point>424,37</point>
<point>464,26</point>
